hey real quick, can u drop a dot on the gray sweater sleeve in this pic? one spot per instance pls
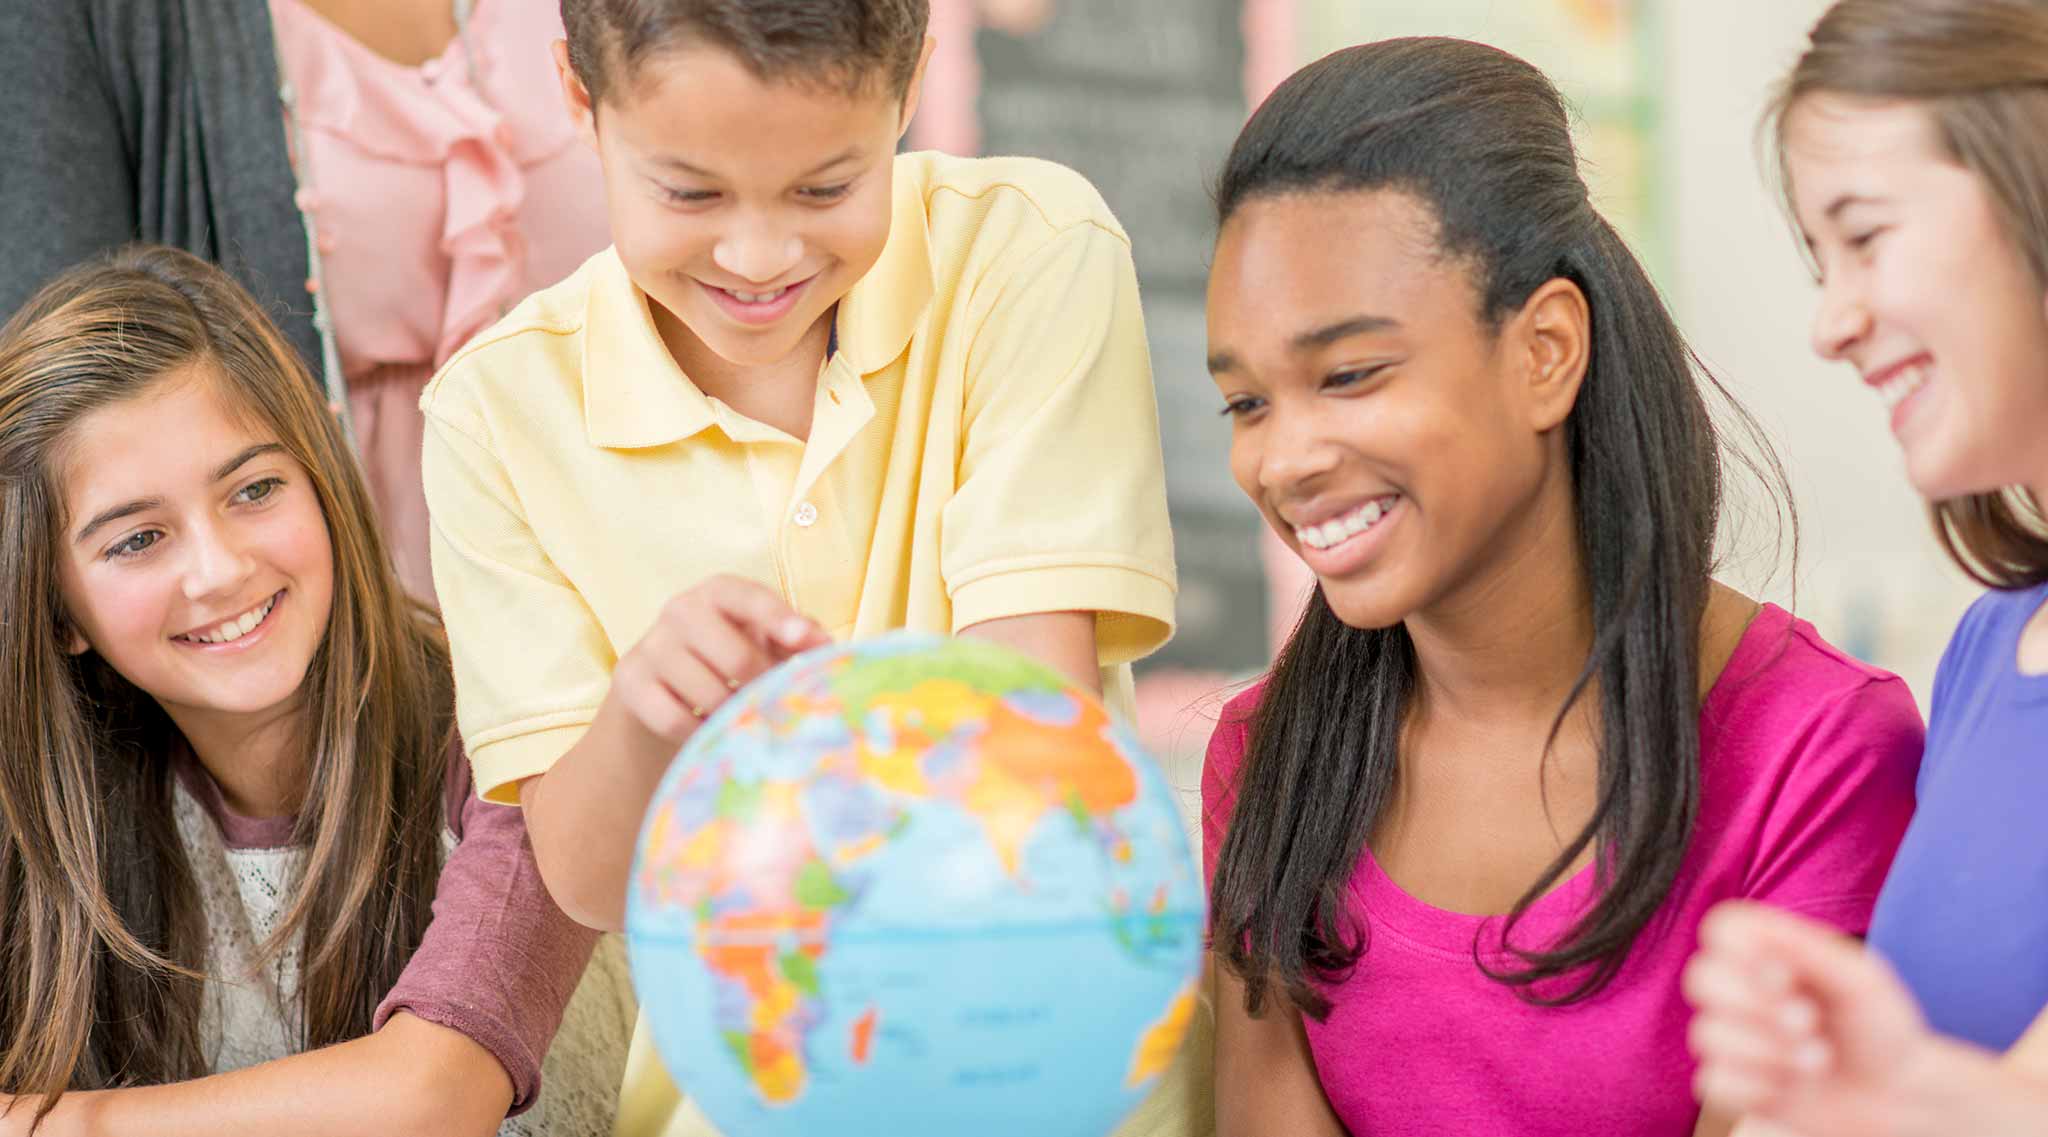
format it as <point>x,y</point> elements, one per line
<point>67,184</point>
<point>151,120</point>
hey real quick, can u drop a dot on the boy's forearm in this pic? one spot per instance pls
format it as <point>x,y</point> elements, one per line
<point>583,816</point>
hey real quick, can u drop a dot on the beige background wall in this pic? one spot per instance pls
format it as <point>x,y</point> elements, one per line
<point>1871,576</point>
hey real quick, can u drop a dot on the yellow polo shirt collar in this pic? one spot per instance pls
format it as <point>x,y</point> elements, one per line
<point>634,394</point>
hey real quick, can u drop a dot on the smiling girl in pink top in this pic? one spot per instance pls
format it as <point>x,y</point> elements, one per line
<point>1460,838</point>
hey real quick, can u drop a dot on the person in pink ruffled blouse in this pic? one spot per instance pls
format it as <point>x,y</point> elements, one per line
<point>442,191</point>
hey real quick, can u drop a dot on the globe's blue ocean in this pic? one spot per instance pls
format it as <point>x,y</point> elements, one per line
<point>916,886</point>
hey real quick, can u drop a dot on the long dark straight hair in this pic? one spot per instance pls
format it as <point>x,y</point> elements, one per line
<point>1979,68</point>
<point>1482,139</point>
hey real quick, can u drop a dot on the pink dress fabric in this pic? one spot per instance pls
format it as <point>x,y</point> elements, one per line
<point>439,203</point>
<point>1807,765</point>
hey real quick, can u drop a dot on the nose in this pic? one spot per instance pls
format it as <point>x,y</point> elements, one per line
<point>1841,320</point>
<point>1294,452</point>
<point>216,565</point>
<point>757,250</point>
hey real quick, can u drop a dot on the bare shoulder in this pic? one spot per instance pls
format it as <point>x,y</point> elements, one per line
<point>1725,621</point>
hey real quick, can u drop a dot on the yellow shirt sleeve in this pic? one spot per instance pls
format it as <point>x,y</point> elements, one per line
<point>1061,499</point>
<point>532,663</point>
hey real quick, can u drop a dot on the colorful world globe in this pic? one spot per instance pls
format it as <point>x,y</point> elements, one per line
<point>915,886</point>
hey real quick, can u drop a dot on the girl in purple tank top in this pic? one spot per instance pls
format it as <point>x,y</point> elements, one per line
<point>1911,138</point>
<point>1460,839</point>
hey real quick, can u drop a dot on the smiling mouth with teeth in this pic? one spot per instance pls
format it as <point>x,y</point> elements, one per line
<point>1339,530</point>
<point>1900,387</point>
<point>756,297</point>
<point>232,630</point>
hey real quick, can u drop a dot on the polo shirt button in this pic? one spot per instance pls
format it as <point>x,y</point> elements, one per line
<point>806,515</point>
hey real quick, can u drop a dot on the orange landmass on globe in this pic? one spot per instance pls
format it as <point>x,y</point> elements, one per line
<point>864,1035</point>
<point>744,947</point>
<point>1028,767</point>
<point>1161,1041</point>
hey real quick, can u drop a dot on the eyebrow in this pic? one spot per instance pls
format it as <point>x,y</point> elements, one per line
<point>1845,201</point>
<point>681,166</point>
<point>1314,338</point>
<point>139,505</point>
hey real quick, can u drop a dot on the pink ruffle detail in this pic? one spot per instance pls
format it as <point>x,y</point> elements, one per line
<point>432,116</point>
<point>487,257</point>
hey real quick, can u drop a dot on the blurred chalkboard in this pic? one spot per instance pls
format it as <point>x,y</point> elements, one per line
<point>1144,97</point>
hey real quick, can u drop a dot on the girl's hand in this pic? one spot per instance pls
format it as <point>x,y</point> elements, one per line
<point>707,643</point>
<point>1799,1025</point>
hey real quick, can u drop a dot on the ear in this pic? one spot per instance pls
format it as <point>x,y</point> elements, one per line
<point>575,96</point>
<point>913,93</point>
<point>74,640</point>
<point>1554,338</point>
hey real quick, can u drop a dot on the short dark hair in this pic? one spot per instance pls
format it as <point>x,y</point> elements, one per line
<point>848,44</point>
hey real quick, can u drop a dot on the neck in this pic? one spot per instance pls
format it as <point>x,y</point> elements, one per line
<point>1509,642</point>
<point>406,32</point>
<point>253,758</point>
<point>780,394</point>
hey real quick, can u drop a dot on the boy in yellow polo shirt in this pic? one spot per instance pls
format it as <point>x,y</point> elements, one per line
<point>814,391</point>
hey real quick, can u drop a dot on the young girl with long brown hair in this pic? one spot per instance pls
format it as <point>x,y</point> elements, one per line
<point>1910,136</point>
<point>229,799</point>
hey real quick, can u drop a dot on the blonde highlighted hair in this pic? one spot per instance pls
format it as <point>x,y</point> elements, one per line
<point>101,962</point>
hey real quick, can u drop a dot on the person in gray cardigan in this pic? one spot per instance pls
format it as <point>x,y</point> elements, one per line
<point>152,120</point>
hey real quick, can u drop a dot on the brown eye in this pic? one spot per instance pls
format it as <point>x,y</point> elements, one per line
<point>687,197</point>
<point>258,490</point>
<point>1351,377</point>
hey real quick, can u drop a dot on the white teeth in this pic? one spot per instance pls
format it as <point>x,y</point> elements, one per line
<point>235,629</point>
<point>1901,386</point>
<point>755,297</point>
<point>1337,531</point>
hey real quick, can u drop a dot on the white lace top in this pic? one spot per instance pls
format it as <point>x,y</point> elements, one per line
<point>253,1015</point>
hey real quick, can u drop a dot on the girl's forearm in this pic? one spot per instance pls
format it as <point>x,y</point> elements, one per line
<point>1961,1089</point>
<point>410,1078</point>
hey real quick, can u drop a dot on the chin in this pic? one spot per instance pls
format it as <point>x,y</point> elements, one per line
<point>1363,606</point>
<point>1938,480</point>
<point>763,351</point>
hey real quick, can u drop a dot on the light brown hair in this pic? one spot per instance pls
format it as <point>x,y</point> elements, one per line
<point>101,961</point>
<point>1980,70</point>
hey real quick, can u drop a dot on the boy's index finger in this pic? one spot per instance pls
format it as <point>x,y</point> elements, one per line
<point>762,612</point>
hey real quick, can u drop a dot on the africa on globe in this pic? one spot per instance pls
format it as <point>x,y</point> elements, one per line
<point>912,886</point>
